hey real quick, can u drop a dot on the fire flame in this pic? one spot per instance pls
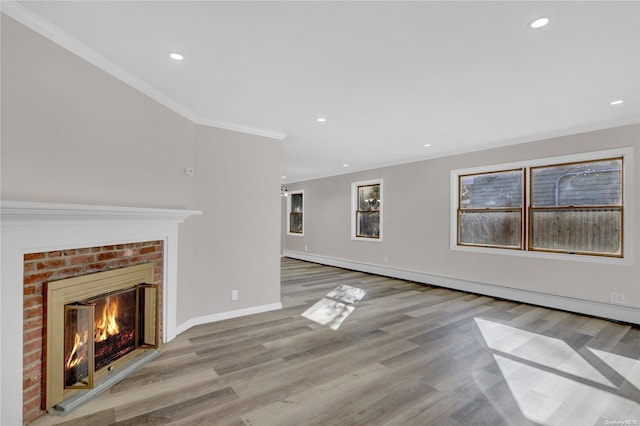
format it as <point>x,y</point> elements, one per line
<point>78,352</point>
<point>107,325</point>
<point>104,326</point>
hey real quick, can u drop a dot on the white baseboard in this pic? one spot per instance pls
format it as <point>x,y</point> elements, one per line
<point>226,315</point>
<point>588,307</point>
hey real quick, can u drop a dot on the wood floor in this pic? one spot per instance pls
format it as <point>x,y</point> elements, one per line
<point>408,354</point>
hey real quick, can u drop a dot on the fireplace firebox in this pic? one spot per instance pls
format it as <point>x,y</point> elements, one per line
<point>101,330</point>
<point>96,323</point>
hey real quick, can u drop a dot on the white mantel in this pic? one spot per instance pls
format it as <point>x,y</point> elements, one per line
<point>38,227</point>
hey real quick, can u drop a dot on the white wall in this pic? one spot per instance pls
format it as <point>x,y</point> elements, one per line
<point>416,226</point>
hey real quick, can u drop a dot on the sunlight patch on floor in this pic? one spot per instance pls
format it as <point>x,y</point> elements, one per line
<point>328,312</point>
<point>551,399</point>
<point>347,294</point>
<point>626,367</point>
<point>554,385</point>
<point>333,309</point>
<point>539,349</point>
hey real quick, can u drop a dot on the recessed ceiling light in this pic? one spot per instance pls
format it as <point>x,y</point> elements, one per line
<point>284,177</point>
<point>427,145</point>
<point>616,102</point>
<point>345,165</point>
<point>321,119</point>
<point>539,23</point>
<point>176,56</point>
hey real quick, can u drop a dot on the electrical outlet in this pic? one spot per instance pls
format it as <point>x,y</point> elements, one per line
<point>616,298</point>
<point>305,248</point>
<point>386,259</point>
<point>234,294</point>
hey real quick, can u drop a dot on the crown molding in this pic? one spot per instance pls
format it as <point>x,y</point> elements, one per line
<point>241,128</point>
<point>63,39</point>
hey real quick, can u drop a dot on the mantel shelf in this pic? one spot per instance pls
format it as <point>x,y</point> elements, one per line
<point>21,213</point>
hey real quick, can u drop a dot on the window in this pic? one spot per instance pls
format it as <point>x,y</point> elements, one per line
<point>577,207</point>
<point>490,209</point>
<point>366,201</point>
<point>295,206</point>
<point>572,205</point>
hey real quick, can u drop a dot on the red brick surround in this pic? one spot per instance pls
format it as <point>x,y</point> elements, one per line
<point>56,265</point>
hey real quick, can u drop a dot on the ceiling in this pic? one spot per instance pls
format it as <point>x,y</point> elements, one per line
<point>389,77</point>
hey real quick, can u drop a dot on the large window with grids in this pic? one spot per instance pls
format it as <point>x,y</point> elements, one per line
<point>366,207</point>
<point>570,205</point>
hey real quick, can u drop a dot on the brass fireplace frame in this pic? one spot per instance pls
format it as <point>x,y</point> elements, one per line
<point>62,292</point>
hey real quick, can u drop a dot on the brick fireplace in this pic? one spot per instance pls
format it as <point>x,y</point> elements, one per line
<point>52,266</point>
<point>44,242</point>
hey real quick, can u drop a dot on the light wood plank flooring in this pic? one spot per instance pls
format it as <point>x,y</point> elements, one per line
<point>408,354</point>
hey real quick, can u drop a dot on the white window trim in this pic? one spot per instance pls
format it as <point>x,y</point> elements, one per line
<point>300,191</point>
<point>628,218</point>
<point>354,207</point>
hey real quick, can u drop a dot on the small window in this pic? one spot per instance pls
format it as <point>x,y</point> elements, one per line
<point>367,212</point>
<point>296,213</point>
<point>490,209</point>
<point>577,208</point>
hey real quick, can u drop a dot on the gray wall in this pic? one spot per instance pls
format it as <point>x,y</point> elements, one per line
<point>72,133</point>
<point>238,236</point>
<point>417,216</point>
